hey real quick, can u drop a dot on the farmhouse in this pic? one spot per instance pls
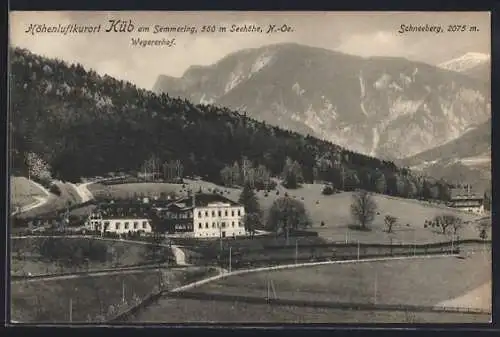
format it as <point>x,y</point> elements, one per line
<point>467,201</point>
<point>121,217</point>
<point>202,216</point>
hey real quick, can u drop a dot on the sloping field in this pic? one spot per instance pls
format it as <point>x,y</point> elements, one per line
<point>56,202</point>
<point>23,192</point>
<point>92,298</point>
<point>424,282</point>
<point>419,282</point>
<point>26,256</point>
<point>333,210</point>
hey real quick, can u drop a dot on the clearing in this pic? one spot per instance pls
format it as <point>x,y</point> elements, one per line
<point>333,210</point>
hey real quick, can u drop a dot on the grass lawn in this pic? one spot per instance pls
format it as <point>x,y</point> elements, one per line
<point>194,311</point>
<point>25,257</point>
<point>91,297</point>
<point>23,191</point>
<point>68,197</point>
<point>414,282</point>
<point>333,210</point>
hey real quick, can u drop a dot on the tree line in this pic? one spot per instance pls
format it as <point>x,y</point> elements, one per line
<point>82,124</point>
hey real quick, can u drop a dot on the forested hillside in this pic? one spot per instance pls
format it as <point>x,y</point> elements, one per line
<point>83,124</point>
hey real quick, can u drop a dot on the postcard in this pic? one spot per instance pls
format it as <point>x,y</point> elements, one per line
<point>250,167</point>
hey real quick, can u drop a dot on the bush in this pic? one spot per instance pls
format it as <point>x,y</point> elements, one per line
<point>328,190</point>
<point>54,189</point>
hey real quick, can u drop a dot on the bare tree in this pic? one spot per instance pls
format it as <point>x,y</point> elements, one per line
<point>446,221</point>
<point>390,221</point>
<point>363,208</point>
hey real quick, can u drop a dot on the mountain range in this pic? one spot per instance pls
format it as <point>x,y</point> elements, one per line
<point>385,107</point>
<point>476,65</point>
<point>465,159</point>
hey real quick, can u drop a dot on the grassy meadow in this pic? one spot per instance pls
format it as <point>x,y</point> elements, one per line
<point>395,282</point>
<point>168,310</point>
<point>91,296</point>
<point>27,259</point>
<point>23,192</point>
<point>398,282</point>
<point>333,210</point>
<point>68,196</point>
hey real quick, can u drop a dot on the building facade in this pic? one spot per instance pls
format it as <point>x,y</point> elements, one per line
<point>121,217</point>
<point>466,201</point>
<point>201,216</point>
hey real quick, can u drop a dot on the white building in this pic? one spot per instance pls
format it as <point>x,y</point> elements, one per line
<point>120,218</point>
<point>202,216</point>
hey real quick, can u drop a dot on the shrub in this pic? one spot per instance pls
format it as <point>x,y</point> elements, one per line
<point>328,190</point>
<point>54,189</point>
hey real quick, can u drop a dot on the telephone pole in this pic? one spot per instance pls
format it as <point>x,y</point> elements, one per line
<point>296,250</point>
<point>230,265</point>
<point>71,309</point>
<point>123,291</point>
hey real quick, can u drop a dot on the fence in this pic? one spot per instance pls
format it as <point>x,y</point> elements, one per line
<point>156,294</point>
<point>139,267</point>
<point>183,292</point>
<point>324,304</point>
<point>244,256</point>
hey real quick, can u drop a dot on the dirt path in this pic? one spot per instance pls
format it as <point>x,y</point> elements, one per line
<point>83,192</point>
<point>180,257</point>
<point>40,200</point>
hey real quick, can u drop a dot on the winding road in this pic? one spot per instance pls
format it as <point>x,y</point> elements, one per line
<point>83,192</point>
<point>40,200</point>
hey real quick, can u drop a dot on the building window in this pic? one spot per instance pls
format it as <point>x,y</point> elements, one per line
<point>206,213</point>
<point>144,224</point>
<point>136,225</point>
<point>117,226</point>
<point>220,213</point>
<point>213,224</point>
<point>106,223</point>
<point>239,213</point>
<point>232,212</point>
<point>233,224</point>
<point>240,224</point>
<point>199,214</point>
<point>206,225</point>
<point>199,225</point>
<point>225,213</point>
<point>223,225</point>
<point>126,225</point>
<point>213,213</point>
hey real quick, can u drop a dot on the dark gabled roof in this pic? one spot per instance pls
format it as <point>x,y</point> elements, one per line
<point>465,203</point>
<point>202,200</point>
<point>462,193</point>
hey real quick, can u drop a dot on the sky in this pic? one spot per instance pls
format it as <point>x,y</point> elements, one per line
<point>359,33</point>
